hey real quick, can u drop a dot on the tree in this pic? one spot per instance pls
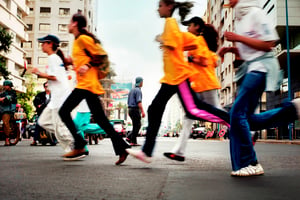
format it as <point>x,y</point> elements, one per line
<point>119,107</point>
<point>25,99</point>
<point>5,42</point>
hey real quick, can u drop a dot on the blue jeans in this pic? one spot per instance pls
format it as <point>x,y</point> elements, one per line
<point>243,119</point>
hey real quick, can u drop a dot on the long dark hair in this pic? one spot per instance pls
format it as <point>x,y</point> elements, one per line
<point>55,47</point>
<point>81,24</point>
<point>184,7</point>
<point>211,37</point>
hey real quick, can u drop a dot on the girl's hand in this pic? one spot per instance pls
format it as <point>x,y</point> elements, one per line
<point>223,51</point>
<point>231,36</point>
<point>158,39</point>
<point>35,71</point>
<point>83,69</point>
<point>69,60</point>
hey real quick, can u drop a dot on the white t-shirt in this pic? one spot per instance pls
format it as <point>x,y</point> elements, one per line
<point>254,25</point>
<point>60,88</point>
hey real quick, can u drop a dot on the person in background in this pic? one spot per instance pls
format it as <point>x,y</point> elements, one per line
<point>56,74</point>
<point>136,110</point>
<point>254,40</point>
<point>40,102</point>
<point>88,87</point>
<point>8,101</point>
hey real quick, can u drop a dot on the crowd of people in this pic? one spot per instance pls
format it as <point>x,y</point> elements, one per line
<point>192,78</point>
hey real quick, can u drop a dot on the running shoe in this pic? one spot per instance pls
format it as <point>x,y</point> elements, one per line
<point>249,171</point>
<point>173,156</point>
<point>140,155</point>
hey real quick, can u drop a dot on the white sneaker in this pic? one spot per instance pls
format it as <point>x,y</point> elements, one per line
<point>139,155</point>
<point>296,103</point>
<point>249,171</point>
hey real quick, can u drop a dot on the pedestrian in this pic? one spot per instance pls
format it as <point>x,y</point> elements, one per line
<point>175,80</point>
<point>206,83</point>
<point>254,39</point>
<point>40,102</point>
<point>89,88</point>
<point>8,102</point>
<point>59,88</point>
<point>136,111</point>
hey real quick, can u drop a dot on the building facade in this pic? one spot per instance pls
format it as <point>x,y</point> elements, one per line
<point>52,17</point>
<point>12,19</point>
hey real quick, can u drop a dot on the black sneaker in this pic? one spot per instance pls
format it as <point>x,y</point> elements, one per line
<point>173,156</point>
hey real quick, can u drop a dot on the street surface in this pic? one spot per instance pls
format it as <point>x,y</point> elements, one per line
<point>40,173</point>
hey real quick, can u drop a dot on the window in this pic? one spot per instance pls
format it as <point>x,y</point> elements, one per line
<point>42,60</point>
<point>6,3</point>
<point>44,27</point>
<point>64,44</point>
<point>19,13</point>
<point>64,11</point>
<point>27,45</point>
<point>29,27</point>
<point>31,11</point>
<point>45,11</point>
<point>28,60</point>
<point>62,27</point>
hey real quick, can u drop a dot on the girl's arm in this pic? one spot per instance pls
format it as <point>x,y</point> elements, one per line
<point>43,75</point>
<point>251,42</point>
<point>225,50</point>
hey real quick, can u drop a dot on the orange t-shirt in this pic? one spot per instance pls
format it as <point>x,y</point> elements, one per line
<point>176,69</point>
<point>206,79</point>
<point>89,81</point>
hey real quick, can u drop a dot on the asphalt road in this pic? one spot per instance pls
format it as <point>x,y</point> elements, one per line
<point>40,173</point>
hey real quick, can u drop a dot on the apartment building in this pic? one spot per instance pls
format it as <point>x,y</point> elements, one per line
<point>12,14</point>
<point>52,17</point>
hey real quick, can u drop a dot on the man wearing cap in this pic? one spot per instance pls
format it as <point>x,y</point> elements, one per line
<point>136,110</point>
<point>8,101</point>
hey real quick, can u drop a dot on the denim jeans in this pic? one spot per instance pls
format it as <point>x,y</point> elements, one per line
<point>243,119</point>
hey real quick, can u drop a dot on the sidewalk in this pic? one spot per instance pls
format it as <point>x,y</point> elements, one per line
<point>274,141</point>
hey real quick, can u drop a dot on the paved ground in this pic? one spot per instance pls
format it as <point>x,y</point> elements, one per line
<point>40,173</point>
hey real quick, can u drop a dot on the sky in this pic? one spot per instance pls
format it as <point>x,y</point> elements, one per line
<point>126,29</point>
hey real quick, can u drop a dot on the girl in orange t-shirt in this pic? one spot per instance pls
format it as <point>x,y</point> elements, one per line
<point>205,83</point>
<point>175,80</point>
<point>89,88</point>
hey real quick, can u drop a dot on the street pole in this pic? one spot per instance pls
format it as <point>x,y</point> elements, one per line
<point>290,94</point>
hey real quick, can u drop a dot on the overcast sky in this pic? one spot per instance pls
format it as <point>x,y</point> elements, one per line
<point>127,29</point>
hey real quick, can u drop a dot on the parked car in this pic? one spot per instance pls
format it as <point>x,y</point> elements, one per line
<point>199,132</point>
<point>129,128</point>
<point>119,126</point>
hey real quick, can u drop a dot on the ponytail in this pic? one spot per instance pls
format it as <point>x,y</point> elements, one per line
<point>211,37</point>
<point>61,55</point>
<point>184,7</point>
